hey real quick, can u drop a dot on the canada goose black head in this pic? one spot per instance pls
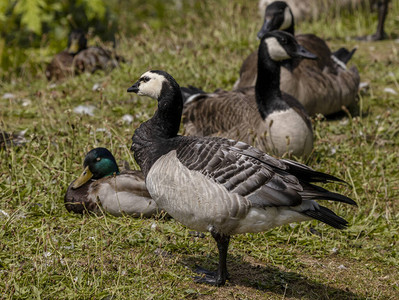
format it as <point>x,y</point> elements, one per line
<point>76,41</point>
<point>98,163</point>
<point>278,16</point>
<point>281,47</point>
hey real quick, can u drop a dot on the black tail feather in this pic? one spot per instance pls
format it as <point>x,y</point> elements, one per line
<point>344,54</point>
<point>313,192</point>
<point>327,216</point>
<point>306,174</point>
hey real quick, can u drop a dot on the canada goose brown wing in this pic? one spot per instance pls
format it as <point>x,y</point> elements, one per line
<point>248,71</point>
<point>213,113</point>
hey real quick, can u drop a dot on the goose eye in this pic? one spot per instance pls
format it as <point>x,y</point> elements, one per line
<point>145,79</point>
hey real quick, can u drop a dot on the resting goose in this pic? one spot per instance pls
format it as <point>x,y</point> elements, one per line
<point>61,65</point>
<point>219,185</point>
<point>262,116</point>
<point>323,85</point>
<point>313,9</point>
<point>102,187</point>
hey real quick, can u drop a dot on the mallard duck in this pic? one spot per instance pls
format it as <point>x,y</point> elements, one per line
<point>95,58</point>
<point>313,9</point>
<point>102,187</point>
<point>323,85</point>
<point>12,139</point>
<point>79,58</point>
<point>218,185</point>
<point>62,64</point>
<point>262,116</point>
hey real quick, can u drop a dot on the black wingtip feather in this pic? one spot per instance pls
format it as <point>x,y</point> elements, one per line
<point>344,54</point>
<point>317,192</point>
<point>327,216</point>
<point>189,91</point>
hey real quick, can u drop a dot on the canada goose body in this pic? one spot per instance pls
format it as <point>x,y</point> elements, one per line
<point>102,187</point>
<point>261,116</point>
<point>323,85</point>
<point>219,185</point>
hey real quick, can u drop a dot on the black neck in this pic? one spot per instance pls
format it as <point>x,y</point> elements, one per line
<point>267,87</point>
<point>162,126</point>
<point>291,29</point>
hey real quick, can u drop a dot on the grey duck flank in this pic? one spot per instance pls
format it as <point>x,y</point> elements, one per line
<point>220,185</point>
<point>261,116</point>
<point>102,187</point>
<point>323,85</point>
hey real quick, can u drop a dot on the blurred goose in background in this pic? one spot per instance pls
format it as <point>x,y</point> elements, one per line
<point>102,187</point>
<point>261,116</point>
<point>12,139</point>
<point>62,64</point>
<point>323,85</point>
<point>313,9</point>
<point>79,58</point>
<point>219,185</point>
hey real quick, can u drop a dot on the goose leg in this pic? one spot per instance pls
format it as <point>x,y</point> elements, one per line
<point>216,278</point>
<point>380,33</point>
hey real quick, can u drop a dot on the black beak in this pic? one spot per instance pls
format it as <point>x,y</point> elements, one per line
<point>134,88</point>
<point>302,52</point>
<point>266,27</point>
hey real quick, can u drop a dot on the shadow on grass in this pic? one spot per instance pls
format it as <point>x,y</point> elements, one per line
<point>274,280</point>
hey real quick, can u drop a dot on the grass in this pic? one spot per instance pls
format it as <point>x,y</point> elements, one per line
<point>47,253</point>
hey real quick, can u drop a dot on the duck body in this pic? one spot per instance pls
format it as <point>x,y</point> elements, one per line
<point>117,193</point>
<point>95,58</point>
<point>79,58</point>
<point>323,85</point>
<point>219,185</point>
<point>261,116</point>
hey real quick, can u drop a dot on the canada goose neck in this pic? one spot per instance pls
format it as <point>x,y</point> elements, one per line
<point>267,87</point>
<point>163,126</point>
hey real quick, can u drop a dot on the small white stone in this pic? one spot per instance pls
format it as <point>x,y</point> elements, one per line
<point>128,119</point>
<point>8,96</point>
<point>96,87</point>
<point>4,214</point>
<point>390,91</point>
<point>342,267</point>
<point>85,110</point>
<point>26,102</point>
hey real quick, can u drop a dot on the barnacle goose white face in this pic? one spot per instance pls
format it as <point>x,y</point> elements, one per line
<point>276,51</point>
<point>150,84</point>
<point>287,19</point>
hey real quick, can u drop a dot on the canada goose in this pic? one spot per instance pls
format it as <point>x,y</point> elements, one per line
<point>313,9</point>
<point>219,185</point>
<point>61,65</point>
<point>262,116</point>
<point>102,185</point>
<point>323,85</point>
